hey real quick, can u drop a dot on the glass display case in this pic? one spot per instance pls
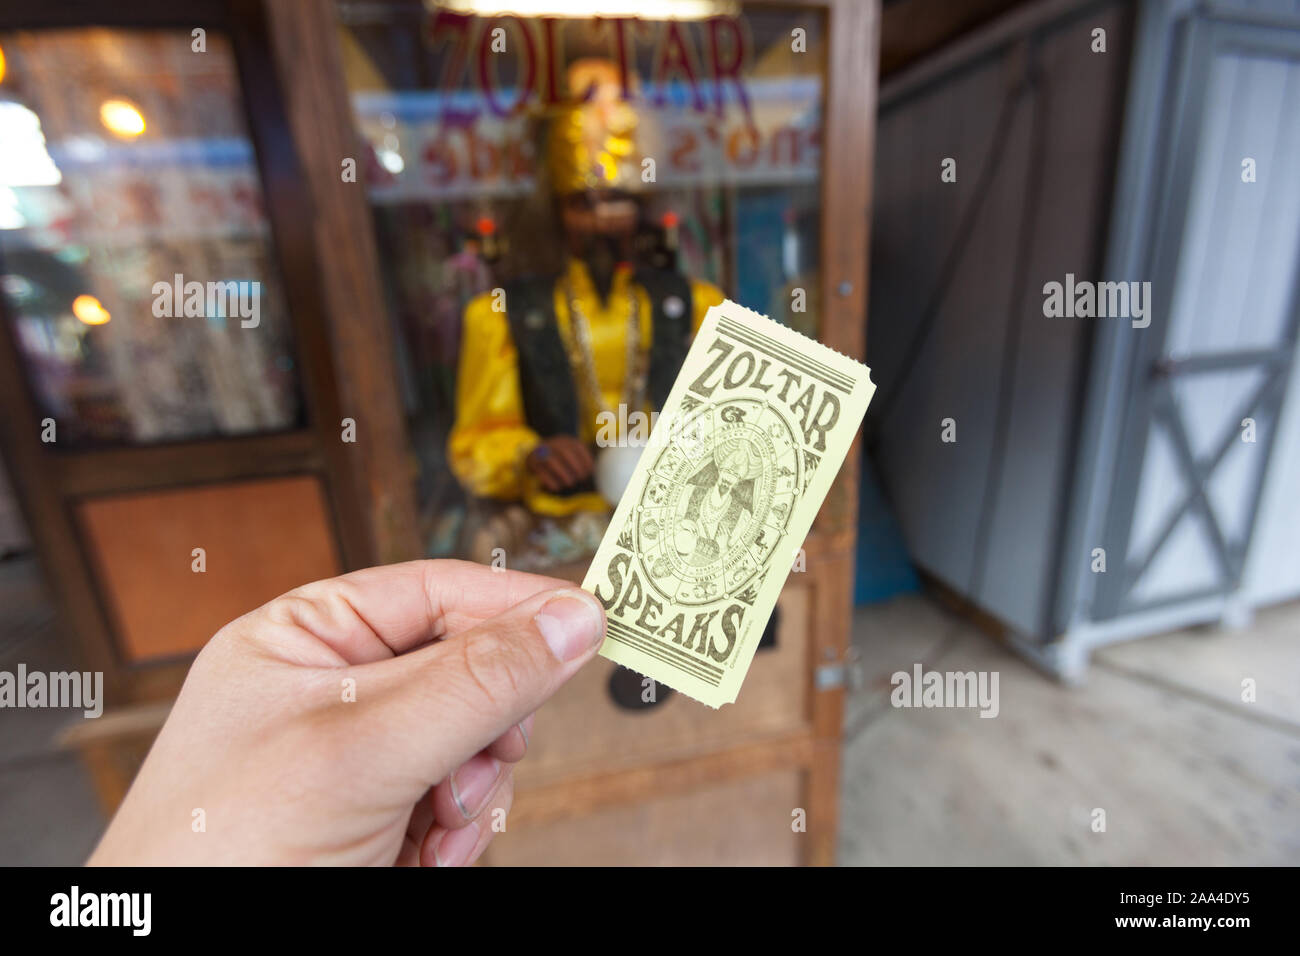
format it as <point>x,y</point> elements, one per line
<point>170,416</point>
<point>139,275</point>
<point>583,160</point>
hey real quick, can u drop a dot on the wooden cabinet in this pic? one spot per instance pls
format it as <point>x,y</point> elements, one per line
<point>742,821</point>
<point>678,783</point>
<point>755,782</point>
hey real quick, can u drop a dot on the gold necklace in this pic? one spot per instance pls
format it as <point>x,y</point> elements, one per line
<point>584,362</point>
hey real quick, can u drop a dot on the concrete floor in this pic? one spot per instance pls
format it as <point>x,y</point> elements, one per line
<point>1158,738</point>
<point>48,811</point>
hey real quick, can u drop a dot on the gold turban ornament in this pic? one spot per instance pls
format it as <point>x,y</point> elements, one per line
<point>591,143</point>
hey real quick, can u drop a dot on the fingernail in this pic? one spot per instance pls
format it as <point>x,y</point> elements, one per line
<point>571,624</point>
<point>472,784</point>
<point>456,845</point>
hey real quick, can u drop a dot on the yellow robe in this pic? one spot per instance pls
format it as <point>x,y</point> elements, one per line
<point>490,438</point>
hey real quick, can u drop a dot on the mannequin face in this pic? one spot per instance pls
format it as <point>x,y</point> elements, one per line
<point>595,218</point>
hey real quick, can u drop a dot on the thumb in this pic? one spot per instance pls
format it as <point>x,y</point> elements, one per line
<point>450,700</point>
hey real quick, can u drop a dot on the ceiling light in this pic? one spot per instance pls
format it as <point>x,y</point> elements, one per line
<point>642,9</point>
<point>24,160</point>
<point>122,118</point>
<point>89,310</point>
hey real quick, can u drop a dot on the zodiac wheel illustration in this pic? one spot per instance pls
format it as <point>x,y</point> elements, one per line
<point>718,500</point>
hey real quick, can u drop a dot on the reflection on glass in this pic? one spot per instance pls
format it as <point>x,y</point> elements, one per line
<point>135,258</point>
<point>558,200</point>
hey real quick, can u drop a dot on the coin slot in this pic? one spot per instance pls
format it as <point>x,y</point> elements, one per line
<point>629,691</point>
<point>768,641</point>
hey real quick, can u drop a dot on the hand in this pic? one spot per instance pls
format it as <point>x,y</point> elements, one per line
<point>560,462</point>
<point>445,661</point>
<point>685,536</point>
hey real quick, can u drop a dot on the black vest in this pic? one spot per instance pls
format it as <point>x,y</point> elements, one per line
<point>545,377</point>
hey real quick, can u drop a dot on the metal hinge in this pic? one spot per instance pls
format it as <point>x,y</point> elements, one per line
<point>846,673</point>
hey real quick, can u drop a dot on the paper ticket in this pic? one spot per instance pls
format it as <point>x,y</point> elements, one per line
<point>739,460</point>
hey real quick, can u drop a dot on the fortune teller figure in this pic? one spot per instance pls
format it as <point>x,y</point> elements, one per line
<point>720,505</point>
<point>535,379</point>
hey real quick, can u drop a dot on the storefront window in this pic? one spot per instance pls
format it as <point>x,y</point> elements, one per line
<point>558,200</point>
<point>136,263</point>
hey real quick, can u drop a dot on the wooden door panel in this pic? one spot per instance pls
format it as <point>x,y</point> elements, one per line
<point>259,539</point>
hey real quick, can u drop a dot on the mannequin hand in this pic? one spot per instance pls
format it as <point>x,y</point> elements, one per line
<point>560,462</point>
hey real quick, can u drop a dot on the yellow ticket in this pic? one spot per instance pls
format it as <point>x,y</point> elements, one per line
<point>740,458</point>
